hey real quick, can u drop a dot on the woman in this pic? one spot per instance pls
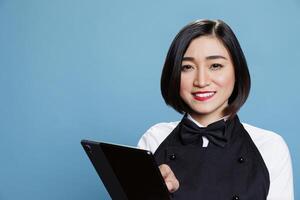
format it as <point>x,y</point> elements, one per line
<point>210,154</point>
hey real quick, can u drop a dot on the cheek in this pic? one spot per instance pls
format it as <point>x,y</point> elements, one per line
<point>227,81</point>
<point>186,84</point>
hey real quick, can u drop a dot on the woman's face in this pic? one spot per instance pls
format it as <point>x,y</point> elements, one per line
<point>207,78</point>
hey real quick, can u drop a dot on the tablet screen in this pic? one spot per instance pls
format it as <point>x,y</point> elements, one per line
<point>132,170</point>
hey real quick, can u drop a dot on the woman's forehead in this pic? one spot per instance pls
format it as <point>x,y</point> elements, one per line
<point>206,46</point>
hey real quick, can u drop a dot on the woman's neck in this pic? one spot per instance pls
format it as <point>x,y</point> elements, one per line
<point>204,119</point>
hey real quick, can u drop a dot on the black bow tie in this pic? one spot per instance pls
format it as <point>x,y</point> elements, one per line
<point>191,133</point>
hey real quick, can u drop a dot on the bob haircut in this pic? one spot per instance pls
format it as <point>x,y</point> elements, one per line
<point>171,73</point>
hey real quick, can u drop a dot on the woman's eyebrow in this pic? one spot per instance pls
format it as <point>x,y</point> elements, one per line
<point>186,58</point>
<point>215,57</point>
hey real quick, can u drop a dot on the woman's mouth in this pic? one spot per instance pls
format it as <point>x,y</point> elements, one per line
<point>203,96</point>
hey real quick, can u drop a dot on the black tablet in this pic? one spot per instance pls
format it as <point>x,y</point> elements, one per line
<point>128,173</point>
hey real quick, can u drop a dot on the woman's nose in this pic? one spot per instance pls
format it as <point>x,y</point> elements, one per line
<point>202,78</point>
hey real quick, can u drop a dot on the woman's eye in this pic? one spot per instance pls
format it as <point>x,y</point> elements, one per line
<point>186,67</point>
<point>216,66</point>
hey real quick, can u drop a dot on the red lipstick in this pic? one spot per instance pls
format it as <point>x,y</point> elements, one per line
<point>203,95</point>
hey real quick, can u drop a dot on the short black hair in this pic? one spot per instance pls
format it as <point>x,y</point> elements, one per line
<point>171,73</point>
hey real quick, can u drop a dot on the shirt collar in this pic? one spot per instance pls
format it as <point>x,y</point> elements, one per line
<point>200,125</point>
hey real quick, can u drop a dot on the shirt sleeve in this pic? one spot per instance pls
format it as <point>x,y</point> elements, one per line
<point>281,173</point>
<point>151,139</point>
<point>144,143</point>
<point>155,135</point>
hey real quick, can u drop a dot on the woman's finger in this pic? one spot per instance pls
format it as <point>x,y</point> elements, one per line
<point>169,177</point>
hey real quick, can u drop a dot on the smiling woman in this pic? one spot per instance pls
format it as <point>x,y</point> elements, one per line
<point>210,154</point>
<point>207,79</point>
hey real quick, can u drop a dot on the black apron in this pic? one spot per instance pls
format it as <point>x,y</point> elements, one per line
<point>236,171</point>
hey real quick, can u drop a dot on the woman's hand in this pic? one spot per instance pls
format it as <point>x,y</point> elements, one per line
<point>169,177</point>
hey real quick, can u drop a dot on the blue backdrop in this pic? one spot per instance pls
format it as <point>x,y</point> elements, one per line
<point>74,69</point>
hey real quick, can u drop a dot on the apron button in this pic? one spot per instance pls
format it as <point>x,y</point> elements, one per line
<point>172,157</point>
<point>241,159</point>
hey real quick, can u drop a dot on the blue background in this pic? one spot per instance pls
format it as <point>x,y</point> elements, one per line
<point>75,69</point>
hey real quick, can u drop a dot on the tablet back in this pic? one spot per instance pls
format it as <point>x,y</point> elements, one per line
<point>127,172</point>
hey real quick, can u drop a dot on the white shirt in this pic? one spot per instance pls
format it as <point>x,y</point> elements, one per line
<point>271,146</point>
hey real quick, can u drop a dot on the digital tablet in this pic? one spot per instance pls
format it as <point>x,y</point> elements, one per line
<point>127,173</point>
